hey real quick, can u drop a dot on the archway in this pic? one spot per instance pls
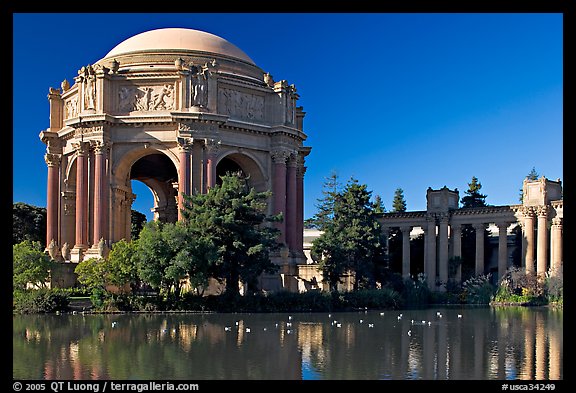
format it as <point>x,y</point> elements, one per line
<point>245,165</point>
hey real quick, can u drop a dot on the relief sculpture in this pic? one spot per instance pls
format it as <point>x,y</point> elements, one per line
<point>146,98</point>
<point>240,105</point>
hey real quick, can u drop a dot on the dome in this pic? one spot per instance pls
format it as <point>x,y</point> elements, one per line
<point>178,39</point>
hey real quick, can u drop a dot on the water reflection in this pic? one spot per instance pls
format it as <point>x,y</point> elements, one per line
<point>472,343</point>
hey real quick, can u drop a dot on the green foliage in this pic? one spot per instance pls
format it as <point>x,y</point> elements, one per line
<point>399,203</point>
<point>120,265</point>
<point>92,273</point>
<point>137,222</point>
<point>229,224</point>
<point>517,286</point>
<point>478,290</point>
<point>40,301</point>
<point>473,196</point>
<point>28,223</point>
<point>31,266</point>
<point>325,205</point>
<point>378,205</point>
<point>160,254</point>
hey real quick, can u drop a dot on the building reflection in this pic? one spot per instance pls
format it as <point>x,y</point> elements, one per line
<point>490,343</point>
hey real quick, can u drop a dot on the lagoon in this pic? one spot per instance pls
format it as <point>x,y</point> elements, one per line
<point>437,343</point>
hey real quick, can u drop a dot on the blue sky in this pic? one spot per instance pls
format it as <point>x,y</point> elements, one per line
<point>394,100</point>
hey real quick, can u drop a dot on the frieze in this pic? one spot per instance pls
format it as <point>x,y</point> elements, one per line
<point>146,98</point>
<point>240,105</point>
<point>71,107</point>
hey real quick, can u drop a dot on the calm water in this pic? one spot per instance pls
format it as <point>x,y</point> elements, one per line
<point>484,343</point>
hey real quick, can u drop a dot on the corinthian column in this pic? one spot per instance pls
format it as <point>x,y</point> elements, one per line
<point>211,147</point>
<point>406,251</point>
<point>430,254</point>
<point>457,249</point>
<point>279,189</point>
<point>556,245</point>
<point>502,248</point>
<point>184,147</point>
<point>300,171</point>
<point>479,228</point>
<point>81,241</point>
<point>291,202</point>
<point>53,162</point>
<point>528,243</point>
<point>542,246</point>
<point>101,185</point>
<point>443,249</point>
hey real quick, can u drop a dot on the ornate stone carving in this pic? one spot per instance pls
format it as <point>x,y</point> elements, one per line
<point>184,143</point>
<point>542,211</point>
<point>88,77</point>
<point>65,85</point>
<point>200,87</point>
<point>53,249</point>
<point>279,156</point>
<point>66,251</point>
<point>268,79</point>
<point>240,105</point>
<point>146,98</point>
<point>212,146</point>
<point>100,147</point>
<point>71,106</point>
<point>52,159</point>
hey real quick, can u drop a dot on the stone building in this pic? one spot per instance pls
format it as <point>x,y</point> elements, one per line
<point>173,108</point>
<point>540,217</point>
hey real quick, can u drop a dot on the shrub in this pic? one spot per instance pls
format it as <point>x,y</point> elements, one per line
<point>416,292</point>
<point>40,301</point>
<point>478,290</point>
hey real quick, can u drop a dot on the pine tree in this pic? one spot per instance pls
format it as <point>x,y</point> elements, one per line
<point>378,205</point>
<point>230,217</point>
<point>399,203</point>
<point>325,205</point>
<point>473,197</point>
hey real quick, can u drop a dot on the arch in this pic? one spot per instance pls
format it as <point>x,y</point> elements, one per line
<point>249,164</point>
<point>122,166</point>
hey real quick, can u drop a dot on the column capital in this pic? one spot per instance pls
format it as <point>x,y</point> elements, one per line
<point>542,211</point>
<point>100,147</point>
<point>212,145</point>
<point>184,144</point>
<point>502,224</point>
<point>81,148</point>
<point>527,211</point>
<point>52,159</point>
<point>292,159</point>
<point>406,229</point>
<point>557,221</point>
<point>279,156</point>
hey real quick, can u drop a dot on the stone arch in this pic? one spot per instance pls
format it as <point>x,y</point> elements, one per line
<point>249,164</point>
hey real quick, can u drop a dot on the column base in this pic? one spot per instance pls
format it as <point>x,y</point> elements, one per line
<point>77,253</point>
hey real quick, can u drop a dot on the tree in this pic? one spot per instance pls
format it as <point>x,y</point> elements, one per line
<point>91,273</point>
<point>231,218</point>
<point>158,256</point>
<point>473,197</point>
<point>352,240</point>
<point>28,223</point>
<point>121,268</point>
<point>399,203</point>
<point>137,220</point>
<point>31,266</point>
<point>533,175</point>
<point>378,205</point>
<point>325,205</point>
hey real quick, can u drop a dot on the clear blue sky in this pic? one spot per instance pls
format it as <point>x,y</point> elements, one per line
<point>393,100</point>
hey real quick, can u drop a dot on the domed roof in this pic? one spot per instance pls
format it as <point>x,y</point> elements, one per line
<point>178,39</point>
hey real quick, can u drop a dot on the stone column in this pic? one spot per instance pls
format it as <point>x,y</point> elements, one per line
<point>556,246</point>
<point>211,147</point>
<point>184,147</point>
<point>502,249</point>
<point>100,195</point>
<point>528,241</point>
<point>406,251</point>
<point>443,249</point>
<point>300,171</point>
<point>457,249</point>
<point>291,191</point>
<point>542,245</point>
<point>81,241</point>
<point>479,228</point>
<point>430,255</point>
<point>52,196</point>
<point>279,189</point>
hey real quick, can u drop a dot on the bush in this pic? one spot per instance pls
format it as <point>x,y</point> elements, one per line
<point>40,301</point>
<point>416,292</point>
<point>517,286</point>
<point>478,290</point>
